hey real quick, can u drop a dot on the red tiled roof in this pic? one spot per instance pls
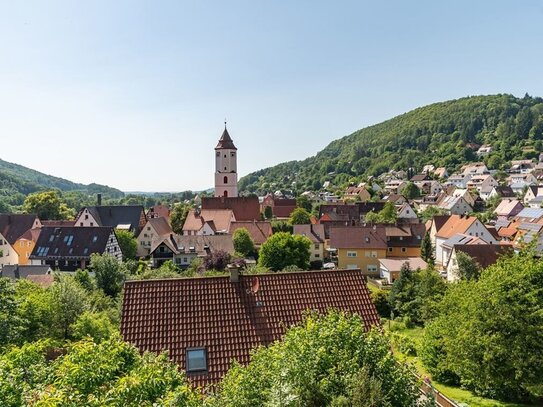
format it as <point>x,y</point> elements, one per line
<point>283,211</point>
<point>244,208</point>
<point>259,231</point>
<point>364,237</point>
<point>227,318</point>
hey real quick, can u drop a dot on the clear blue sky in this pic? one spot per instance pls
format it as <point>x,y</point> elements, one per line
<point>133,94</point>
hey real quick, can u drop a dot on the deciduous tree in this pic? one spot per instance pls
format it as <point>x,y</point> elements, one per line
<point>283,249</point>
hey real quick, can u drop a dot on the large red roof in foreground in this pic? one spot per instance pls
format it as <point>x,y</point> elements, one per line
<point>228,318</point>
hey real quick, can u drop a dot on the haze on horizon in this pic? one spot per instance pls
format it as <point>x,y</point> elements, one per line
<point>133,94</point>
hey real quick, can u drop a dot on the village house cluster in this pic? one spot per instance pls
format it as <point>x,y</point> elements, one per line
<point>348,246</point>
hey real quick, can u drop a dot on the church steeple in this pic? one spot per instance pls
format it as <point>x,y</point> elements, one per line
<point>226,177</point>
<point>225,142</point>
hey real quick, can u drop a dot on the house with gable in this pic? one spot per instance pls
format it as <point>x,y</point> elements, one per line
<point>454,205</point>
<point>208,222</point>
<point>534,196</point>
<point>460,224</point>
<point>70,248</point>
<point>315,233</point>
<point>484,255</point>
<point>359,247</point>
<point>183,250</point>
<point>18,234</point>
<point>126,217</point>
<point>155,228</point>
<point>508,208</point>
<point>406,212</point>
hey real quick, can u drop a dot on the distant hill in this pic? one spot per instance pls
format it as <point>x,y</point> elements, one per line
<point>442,134</point>
<point>17,181</point>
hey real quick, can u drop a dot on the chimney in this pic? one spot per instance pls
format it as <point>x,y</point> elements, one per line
<point>234,273</point>
<point>99,199</point>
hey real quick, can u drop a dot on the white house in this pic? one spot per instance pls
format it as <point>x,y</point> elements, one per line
<point>458,224</point>
<point>405,211</point>
<point>455,205</point>
<point>459,180</point>
<point>154,228</point>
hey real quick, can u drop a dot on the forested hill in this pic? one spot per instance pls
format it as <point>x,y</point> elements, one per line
<point>17,181</point>
<point>438,134</point>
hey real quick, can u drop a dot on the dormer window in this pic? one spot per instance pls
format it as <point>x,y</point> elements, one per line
<point>196,360</point>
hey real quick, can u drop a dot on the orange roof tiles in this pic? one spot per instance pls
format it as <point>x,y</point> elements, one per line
<point>455,224</point>
<point>227,318</point>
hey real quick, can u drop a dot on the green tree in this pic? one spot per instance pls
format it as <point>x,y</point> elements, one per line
<point>127,243</point>
<point>326,361</point>
<point>111,373</point>
<point>410,191</point>
<point>427,250</point>
<point>283,249</point>
<point>487,336</point>
<point>47,205</point>
<point>468,268</point>
<point>69,301</point>
<point>388,214</point>
<point>96,325</point>
<point>299,216</point>
<point>243,243</point>
<point>303,202</point>
<point>10,324</point>
<point>110,274</point>
<point>178,216</point>
<point>430,212</point>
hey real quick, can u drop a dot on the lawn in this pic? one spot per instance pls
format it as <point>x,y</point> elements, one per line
<point>457,394</point>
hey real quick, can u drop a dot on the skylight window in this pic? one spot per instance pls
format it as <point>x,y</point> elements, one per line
<point>196,360</point>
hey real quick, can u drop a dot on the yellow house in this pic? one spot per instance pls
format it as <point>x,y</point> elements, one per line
<point>25,244</point>
<point>404,240</point>
<point>359,247</point>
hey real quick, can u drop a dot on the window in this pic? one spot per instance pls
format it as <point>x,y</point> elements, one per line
<point>367,254</point>
<point>225,180</point>
<point>185,260</point>
<point>232,154</point>
<point>225,156</point>
<point>92,223</point>
<point>218,154</point>
<point>351,254</point>
<point>317,256</point>
<point>317,246</point>
<point>372,268</point>
<point>94,239</point>
<point>404,249</point>
<point>390,249</point>
<point>196,360</point>
<point>86,217</point>
<point>367,239</point>
<point>374,254</point>
<point>80,223</point>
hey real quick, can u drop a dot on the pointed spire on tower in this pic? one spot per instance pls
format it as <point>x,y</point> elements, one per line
<point>225,142</point>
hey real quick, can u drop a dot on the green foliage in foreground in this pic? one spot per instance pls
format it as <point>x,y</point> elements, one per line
<point>487,336</point>
<point>111,373</point>
<point>327,361</point>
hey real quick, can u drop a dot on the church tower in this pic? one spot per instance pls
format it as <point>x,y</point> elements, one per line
<point>226,169</point>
